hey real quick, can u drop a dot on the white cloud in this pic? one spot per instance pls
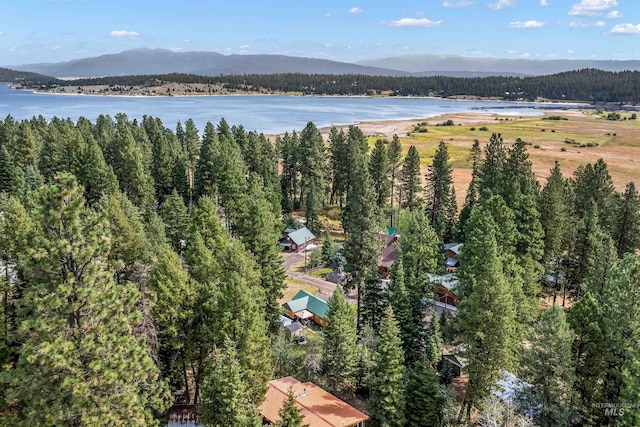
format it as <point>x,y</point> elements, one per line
<point>512,51</point>
<point>626,29</point>
<point>356,10</point>
<point>124,33</point>
<point>461,3</point>
<point>326,15</point>
<point>412,22</point>
<point>176,49</point>
<point>329,45</point>
<point>544,3</point>
<point>2,33</point>
<point>591,7</point>
<point>186,41</point>
<point>526,24</point>
<point>244,46</point>
<point>574,24</point>
<point>500,4</point>
<point>571,52</point>
<point>615,14</point>
<point>525,55</point>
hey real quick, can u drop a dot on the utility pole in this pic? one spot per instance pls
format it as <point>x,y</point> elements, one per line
<point>305,255</point>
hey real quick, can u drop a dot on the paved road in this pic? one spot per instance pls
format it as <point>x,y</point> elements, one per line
<point>325,289</point>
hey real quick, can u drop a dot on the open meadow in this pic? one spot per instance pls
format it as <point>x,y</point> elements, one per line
<point>575,138</point>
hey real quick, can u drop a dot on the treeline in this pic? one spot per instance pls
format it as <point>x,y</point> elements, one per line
<point>588,85</point>
<point>138,259</point>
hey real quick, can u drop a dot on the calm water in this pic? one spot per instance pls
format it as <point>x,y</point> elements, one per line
<point>268,114</point>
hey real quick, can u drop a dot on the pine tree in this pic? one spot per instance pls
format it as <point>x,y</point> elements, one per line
<point>592,183</point>
<point>473,191</point>
<point>260,231</point>
<point>486,315</point>
<point>554,216</point>
<point>360,217</point>
<point>339,160</point>
<point>209,151</point>
<point>76,331</point>
<point>410,180</point>
<point>289,179</point>
<point>172,308</point>
<point>626,227</point>
<point>621,313</point>
<point>438,191</point>
<point>329,248</point>
<point>588,351</point>
<point>128,164</point>
<point>339,358</point>
<point>548,366</point>
<point>230,179</point>
<point>225,396</point>
<point>165,151</point>
<point>176,219</point>
<point>492,172</point>
<point>424,399</point>
<point>313,173</point>
<point>129,244</point>
<point>387,401</point>
<point>7,172</point>
<point>395,152</point>
<point>96,176</point>
<point>289,414</point>
<point>400,301</point>
<point>421,256</point>
<point>379,169</point>
<point>25,151</point>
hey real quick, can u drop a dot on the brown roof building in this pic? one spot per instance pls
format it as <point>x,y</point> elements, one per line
<point>389,253</point>
<point>319,408</point>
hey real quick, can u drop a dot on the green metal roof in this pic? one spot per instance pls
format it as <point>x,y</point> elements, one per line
<point>305,301</point>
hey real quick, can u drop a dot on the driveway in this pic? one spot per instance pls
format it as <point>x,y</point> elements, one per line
<point>293,260</point>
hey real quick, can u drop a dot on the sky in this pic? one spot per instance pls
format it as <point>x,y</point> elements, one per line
<point>34,31</point>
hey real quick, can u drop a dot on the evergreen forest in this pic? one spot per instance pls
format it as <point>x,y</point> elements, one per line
<point>139,259</point>
<point>587,85</point>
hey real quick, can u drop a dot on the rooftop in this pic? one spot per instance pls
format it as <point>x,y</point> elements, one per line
<point>301,236</point>
<point>305,301</point>
<point>319,408</point>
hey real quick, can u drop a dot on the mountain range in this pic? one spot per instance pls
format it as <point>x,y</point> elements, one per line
<point>163,61</point>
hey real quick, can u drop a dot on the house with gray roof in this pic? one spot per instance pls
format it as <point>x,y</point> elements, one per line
<point>297,240</point>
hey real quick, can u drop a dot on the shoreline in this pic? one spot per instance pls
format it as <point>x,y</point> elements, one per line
<point>463,98</point>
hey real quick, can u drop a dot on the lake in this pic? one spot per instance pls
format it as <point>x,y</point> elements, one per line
<point>267,114</point>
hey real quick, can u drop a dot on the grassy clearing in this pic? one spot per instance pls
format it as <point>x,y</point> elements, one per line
<point>591,137</point>
<point>293,286</point>
<point>321,272</point>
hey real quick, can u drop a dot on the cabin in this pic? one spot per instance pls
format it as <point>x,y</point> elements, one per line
<point>297,240</point>
<point>293,330</point>
<point>390,244</point>
<point>452,252</point>
<point>305,306</point>
<point>318,407</point>
<point>446,286</point>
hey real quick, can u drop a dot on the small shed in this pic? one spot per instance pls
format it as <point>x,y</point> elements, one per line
<point>293,330</point>
<point>297,240</point>
<point>456,363</point>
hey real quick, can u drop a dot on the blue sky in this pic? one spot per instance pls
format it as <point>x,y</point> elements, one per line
<point>58,30</point>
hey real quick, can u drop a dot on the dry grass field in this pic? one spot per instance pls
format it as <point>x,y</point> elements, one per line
<point>617,142</point>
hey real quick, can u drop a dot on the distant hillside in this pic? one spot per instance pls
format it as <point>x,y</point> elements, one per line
<point>446,65</point>
<point>162,61</point>
<point>11,76</point>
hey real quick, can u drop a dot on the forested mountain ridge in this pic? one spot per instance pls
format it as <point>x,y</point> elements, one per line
<point>588,85</point>
<point>163,61</point>
<point>13,76</point>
